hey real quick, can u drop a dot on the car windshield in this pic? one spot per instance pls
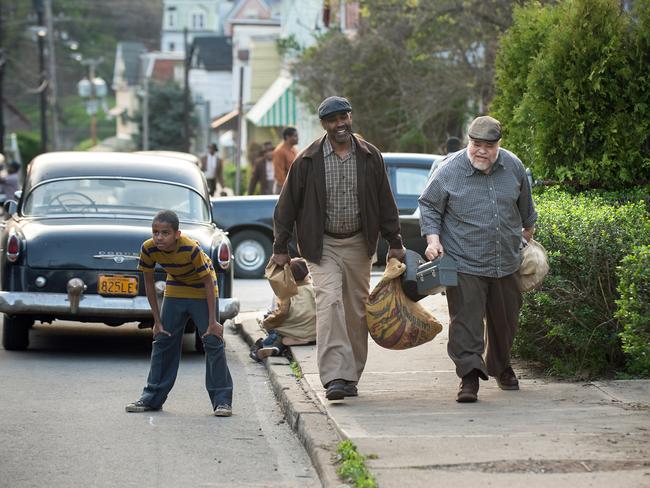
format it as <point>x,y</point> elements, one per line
<point>97,196</point>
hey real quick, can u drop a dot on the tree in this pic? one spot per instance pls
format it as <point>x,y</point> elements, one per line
<point>166,129</point>
<point>414,73</point>
<point>573,91</point>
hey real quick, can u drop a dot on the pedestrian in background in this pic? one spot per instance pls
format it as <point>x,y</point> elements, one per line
<point>338,198</point>
<point>283,156</point>
<point>10,183</point>
<point>452,144</point>
<point>263,173</point>
<point>476,208</point>
<point>212,167</point>
<point>191,292</point>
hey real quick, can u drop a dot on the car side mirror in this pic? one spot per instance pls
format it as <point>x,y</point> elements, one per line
<point>18,194</point>
<point>10,207</point>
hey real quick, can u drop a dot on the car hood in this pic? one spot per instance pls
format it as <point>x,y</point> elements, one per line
<point>96,243</point>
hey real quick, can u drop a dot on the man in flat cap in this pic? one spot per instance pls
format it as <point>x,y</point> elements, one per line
<point>476,208</point>
<point>338,198</point>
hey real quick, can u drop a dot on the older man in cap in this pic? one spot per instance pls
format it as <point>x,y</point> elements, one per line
<point>338,198</point>
<point>476,208</point>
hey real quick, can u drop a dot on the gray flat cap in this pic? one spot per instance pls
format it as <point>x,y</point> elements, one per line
<point>332,105</point>
<point>485,128</point>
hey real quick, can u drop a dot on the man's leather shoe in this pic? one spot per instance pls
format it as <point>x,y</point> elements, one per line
<point>507,380</point>
<point>351,389</point>
<point>335,390</point>
<point>468,392</point>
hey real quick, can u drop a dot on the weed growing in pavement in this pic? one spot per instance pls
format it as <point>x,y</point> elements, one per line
<point>296,369</point>
<point>352,466</point>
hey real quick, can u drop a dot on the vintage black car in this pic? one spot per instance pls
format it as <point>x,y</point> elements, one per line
<point>249,219</point>
<point>70,248</point>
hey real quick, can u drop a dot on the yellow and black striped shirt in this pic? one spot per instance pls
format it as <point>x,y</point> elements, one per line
<point>186,266</point>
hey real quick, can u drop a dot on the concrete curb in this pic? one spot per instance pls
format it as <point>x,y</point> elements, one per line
<point>302,409</point>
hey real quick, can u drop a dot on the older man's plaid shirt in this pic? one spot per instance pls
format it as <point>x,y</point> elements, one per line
<point>342,204</point>
<point>479,216</point>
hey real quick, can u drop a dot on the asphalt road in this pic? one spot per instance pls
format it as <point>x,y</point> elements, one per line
<point>62,419</point>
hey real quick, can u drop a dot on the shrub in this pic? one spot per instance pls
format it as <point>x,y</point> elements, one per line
<point>634,309</point>
<point>570,79</point>
<point>568,325</point>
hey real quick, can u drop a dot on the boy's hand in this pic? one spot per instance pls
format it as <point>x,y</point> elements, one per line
<point>214,328</point>
<point>159,329</point>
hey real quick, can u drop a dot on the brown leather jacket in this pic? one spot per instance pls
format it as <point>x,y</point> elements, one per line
<point>302,202</point>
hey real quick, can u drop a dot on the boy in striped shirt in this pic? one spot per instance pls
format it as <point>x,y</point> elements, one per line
<point>191,292</point>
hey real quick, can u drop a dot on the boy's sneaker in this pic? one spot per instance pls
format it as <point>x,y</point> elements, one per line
<point>139,407</point>
<point>223,411</point>
<point>265,352</point>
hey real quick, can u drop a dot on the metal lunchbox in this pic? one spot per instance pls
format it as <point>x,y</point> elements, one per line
<point>409,281</point>
<point>435,276</point>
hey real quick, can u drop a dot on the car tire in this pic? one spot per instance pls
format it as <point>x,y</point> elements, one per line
<point>15,332</point>
<point>251,253</point>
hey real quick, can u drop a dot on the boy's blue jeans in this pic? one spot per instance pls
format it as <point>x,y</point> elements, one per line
<point>166,354</point>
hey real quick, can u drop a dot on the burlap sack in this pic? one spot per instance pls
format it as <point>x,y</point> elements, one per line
<point>281,280</point>
<point>394,321</point>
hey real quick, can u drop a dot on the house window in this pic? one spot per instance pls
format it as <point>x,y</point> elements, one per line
<point>171,17</point>
<point>172,46</point>
<point>198,20</point>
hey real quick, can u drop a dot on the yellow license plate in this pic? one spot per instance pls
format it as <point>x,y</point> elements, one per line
<point>117,285</point>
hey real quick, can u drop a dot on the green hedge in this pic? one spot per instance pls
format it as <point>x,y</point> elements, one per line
<point>634,309</point>
<point>569,324</point>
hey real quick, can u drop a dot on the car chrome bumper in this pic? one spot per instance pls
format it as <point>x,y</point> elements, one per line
<point>92,305</point>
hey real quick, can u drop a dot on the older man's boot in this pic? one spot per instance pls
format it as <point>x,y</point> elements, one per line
<point>468,392</point>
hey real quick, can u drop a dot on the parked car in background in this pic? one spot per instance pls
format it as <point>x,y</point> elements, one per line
<point>249,219</point>
<point>71,245</point>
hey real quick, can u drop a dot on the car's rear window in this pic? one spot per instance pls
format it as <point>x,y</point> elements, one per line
<point>410,181</point>
<point>114,196</point>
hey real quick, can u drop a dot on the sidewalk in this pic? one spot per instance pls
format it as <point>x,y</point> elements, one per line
<point>547,434</point>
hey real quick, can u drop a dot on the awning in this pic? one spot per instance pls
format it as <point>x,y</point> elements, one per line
<point>226,122</point>
<point>277,107</point>
<point>117,111</point>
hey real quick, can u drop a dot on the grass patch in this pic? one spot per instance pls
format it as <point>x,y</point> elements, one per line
<point>296,369</point>
<point>352,467</point>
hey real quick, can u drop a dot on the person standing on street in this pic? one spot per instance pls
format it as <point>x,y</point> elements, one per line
<point>191,292</point>
<point>212,167</point>
<point>283,156</point>
<point>476,208</point>
<point>263,172</point>
<point>338,198</point>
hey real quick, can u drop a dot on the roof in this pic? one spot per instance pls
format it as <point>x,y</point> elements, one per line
<point>212,53</point>
<point>56,165</point>
<point>398,159</point>
<point>129,53</point>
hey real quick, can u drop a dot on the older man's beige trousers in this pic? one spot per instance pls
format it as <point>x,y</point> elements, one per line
<point>342,281</point>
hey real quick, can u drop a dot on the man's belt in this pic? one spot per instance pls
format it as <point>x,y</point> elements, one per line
<point>342,235</point>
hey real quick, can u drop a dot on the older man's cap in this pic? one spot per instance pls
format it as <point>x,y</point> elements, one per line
<point>485,128</point>
<point>332,105</point>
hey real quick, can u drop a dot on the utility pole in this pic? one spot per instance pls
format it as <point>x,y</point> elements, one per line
<point>240,124</point>
<point>56,140</point>
<point>186,92</point>
<point>38,6</point>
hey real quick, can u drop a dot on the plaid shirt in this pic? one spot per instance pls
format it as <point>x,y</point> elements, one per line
<point>479,216</point>
<point>342,203</point>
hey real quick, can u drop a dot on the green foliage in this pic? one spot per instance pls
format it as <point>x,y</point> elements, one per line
<point>414,72</point>
<point>29,145</point>
<point>229,175</point>
<point>568,324</point>
<point>166,122</point>
<point>295,368</point>
<point>570,79</point>
<point>352,466</point>
<point>634,309</point>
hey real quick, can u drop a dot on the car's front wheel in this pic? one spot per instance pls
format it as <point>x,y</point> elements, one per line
<point>15,332</point>
<point>252,251</point>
